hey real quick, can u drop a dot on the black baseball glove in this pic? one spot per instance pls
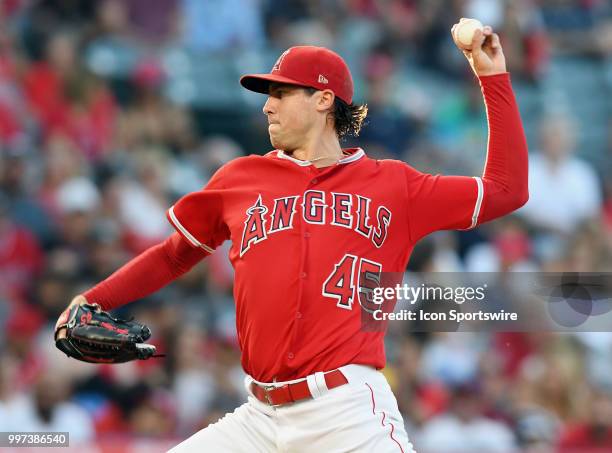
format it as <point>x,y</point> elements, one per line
<point>93,335</point>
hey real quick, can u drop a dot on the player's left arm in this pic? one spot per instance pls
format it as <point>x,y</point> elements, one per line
<point>200,228</point>
<point>461,202</point>
<point>146,273</point>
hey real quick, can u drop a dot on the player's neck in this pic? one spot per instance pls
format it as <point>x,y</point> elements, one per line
<point>323,151</point>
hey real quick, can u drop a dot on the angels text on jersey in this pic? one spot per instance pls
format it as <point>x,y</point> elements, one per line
<point>336,209</point>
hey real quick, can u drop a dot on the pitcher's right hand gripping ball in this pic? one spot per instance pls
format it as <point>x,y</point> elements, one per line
<point>93,335</point>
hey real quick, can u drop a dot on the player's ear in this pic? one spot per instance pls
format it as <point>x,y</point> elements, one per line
<point>326,100</point>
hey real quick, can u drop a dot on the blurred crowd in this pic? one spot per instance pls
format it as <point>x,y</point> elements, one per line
<point>110,110</point>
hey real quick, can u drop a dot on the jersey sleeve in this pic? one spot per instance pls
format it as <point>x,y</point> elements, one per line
<point>146,273</point>
<point>462,202</point>
<point>199,218</point>
<point>437,202</point>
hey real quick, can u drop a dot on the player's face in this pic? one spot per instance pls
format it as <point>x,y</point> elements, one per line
<point>291,115</point>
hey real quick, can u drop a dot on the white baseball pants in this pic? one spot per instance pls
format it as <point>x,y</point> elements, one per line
<point>361,416</point>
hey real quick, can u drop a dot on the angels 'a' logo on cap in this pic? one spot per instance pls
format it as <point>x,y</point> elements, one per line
<point>278,63</point>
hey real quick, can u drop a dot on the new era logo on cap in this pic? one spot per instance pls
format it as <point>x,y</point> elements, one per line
<point>307,66</point>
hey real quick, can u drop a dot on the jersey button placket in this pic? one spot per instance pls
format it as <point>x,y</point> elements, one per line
<point>302,275</point>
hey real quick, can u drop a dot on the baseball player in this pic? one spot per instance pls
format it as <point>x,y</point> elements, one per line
<point>306,220</point>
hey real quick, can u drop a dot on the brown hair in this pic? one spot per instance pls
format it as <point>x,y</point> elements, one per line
<point>348,118</point>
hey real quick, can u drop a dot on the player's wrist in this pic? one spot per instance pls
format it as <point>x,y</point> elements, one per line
<point>490,72</point>
<point>499,74</point>
<point>502,77</point>
<point>78,300</point>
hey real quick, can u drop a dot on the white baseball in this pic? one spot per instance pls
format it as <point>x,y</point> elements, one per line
<point>465,31</point>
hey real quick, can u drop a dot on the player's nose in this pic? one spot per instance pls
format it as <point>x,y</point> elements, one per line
<point>268,107</point>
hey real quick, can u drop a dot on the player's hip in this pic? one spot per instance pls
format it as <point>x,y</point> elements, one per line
<point>361,415</point>
<point>317,388</point>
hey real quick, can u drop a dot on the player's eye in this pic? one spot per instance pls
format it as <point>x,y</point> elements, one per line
<point>279,92</point>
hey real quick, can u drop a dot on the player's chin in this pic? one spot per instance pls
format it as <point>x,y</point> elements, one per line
<point>276,142</point>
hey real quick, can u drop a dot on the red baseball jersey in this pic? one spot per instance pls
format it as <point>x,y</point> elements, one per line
<point>301,236</point>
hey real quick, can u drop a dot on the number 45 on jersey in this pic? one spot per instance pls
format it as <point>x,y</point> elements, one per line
<point>353,277</point>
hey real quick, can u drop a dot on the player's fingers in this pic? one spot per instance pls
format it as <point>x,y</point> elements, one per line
<point>61,333</point>
<point>477,40</point>
<point>487,30</point>
<point>492,44</point>
<point>495,42</point>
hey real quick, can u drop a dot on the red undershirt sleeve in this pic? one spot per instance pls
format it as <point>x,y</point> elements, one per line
<point>200,228</point>
<point>437,202</point>
<point>146,273</point>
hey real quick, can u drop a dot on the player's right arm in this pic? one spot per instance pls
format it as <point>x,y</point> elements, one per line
<point>438,202</point>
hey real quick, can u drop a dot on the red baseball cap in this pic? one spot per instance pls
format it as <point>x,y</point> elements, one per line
<point>307,66</point>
